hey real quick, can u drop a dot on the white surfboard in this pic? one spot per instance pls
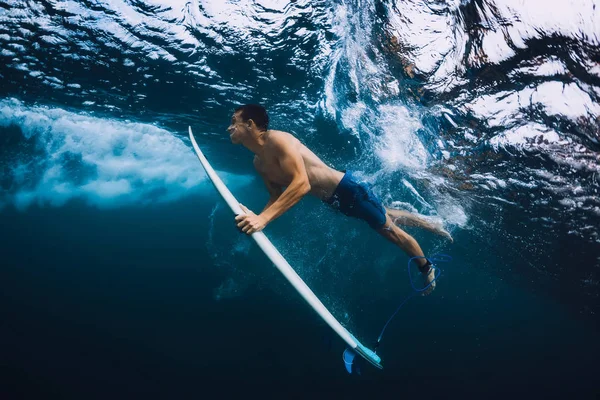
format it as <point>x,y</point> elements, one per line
<point>285,268</point>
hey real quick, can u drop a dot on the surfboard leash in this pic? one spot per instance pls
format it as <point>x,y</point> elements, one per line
<point>433,260</point>
<point>348,355</point>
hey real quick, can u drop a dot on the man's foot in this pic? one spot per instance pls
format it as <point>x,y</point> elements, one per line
<point>445,234</point>
<point>437,227</point>
<point>428,278</point>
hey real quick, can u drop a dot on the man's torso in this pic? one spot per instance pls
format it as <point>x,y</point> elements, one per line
<point>323,179</point>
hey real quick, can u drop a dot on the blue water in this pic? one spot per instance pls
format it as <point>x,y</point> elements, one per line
<point>123,275</point>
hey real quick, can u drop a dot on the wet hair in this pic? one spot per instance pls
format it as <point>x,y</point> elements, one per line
<point>256,113</point>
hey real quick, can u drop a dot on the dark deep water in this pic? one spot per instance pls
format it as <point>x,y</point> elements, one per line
<point>122,275</point>
<point>93,311</point>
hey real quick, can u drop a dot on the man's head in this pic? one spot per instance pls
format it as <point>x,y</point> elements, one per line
<point>248,121</point>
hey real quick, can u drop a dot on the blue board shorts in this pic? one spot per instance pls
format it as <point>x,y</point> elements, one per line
<point>356,199</point>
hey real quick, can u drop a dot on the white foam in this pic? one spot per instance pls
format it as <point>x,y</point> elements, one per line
<point>22,67</point>
<point>565,99</point>
<point>398,145</point>
<point>495,47</point>
<point>18,47</point>
<point>528,185</point>
<point>525,135</point>
<point>354,54</point>
<point>555,97</point>
<point>54,40</point>
<point>116,162</point>
<point>437,46</point>
<point>436,41</point>
<point>452,213</point>
<point>55,80</point>
<point>25,32</point>
<point>490,179</point>
<point>385,127</point>
<point>419,198</point>
<point>551,66</point>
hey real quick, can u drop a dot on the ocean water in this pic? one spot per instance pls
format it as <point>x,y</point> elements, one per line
<point>123,275</point>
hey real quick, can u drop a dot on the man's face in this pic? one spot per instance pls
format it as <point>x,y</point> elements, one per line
<point>238,129</point>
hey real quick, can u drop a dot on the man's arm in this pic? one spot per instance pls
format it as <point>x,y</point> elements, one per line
<point>274,192</point>
<point>273,189</point>
<point>291,164</point>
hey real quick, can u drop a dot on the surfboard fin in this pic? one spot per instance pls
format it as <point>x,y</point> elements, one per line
<point>349,363</point>
<point>348,358</point>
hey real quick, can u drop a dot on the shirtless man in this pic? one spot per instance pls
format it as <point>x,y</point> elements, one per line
<point>284,162</point>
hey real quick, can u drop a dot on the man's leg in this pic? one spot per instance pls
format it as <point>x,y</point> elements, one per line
<point>409,245</point>
<point>406,218</point>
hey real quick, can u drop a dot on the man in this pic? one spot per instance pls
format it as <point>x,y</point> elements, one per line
<point>284,162</point>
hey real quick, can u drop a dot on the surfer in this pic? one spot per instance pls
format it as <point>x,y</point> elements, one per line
<point>290,171</point>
